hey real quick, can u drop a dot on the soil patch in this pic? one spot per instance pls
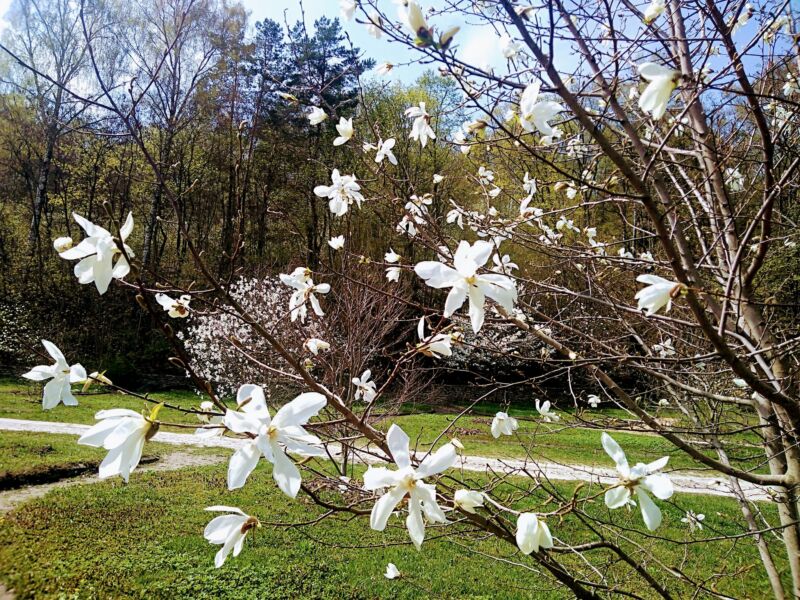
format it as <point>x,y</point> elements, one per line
<point>43,475</point>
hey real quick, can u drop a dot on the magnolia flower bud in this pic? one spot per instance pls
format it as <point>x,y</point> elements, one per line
<point>447,37</point>
<point>468,500</point>
<point>62,244</point>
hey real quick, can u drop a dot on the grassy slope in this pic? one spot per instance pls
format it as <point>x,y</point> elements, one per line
<point>145,540</point>
<point>23,453</point>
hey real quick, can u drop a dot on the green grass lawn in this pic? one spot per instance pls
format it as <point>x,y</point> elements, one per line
<point>568,441</point>
<point>543,441</point>
<point>144,540</point>
<point>21,399</point>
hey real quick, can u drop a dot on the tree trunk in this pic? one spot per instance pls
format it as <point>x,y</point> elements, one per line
<point>40,197</point>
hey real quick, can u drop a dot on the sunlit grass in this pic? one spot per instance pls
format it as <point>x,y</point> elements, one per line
<point>145,539</point>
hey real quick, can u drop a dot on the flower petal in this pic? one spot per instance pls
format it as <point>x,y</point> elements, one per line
<point>435,463</point>
<point>398,443</point>
<point>650,512</point>
<point>285,472</point>
<point>242,463</point>
<point>384,507</point>
<point>300,410</point>
<point>617,497</point>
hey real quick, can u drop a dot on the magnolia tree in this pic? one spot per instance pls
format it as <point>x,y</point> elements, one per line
<point>649,160</point>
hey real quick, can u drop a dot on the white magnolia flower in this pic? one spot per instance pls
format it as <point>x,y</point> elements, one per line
<point>529,184</point>
<point>384,68</point>
<point>509,47</point>
<point>640,479</point>
<point>375,24</point>
<point>316,345</point>
<point>532,533</point>
<point>123,433</point>
<point>393,274</point>
<point>790,86</point>
<point>434,346</point>
<point>502,424</point>
<point>365,388</point>
<point>663,403</point>
<point>101,260</point>
<point>654,10</point>
<point>61,375</point>
<point>734,179</point>
<point>662,81</point>
<point>658,294</point>
<point>693,520</point>
<point>342,192</point>
<point>273,437</point>
<point>460,139</point>
<point>593,400</point>
<point>485,176</point>
<point>421,128</point>
<point>665,349</point>
<point>465,282</point>
<point>385,151</point>
<point>205,406</point>
<point>648,256</point>
<point>317,115</point>
<point>468,500</point>
<point>177,309</point>
<point>568,224</point>
<point>544,409</point>
<point>408,482</point>
<point>345,129</point>
<point>348,8</point>
<point>391,572</point>
<point>744,18</point>
<point>62,244</point>
<point>437,179</point>
<point>337,243</point>
<point>228,530</point>
<point>391,257</point>
<point>503,264</point>
<point>208,407</point>
<point>455,216</point>
<point>415,20</point>
<point>546,140</point>
<point>533,114</point>
<point>305,290</point>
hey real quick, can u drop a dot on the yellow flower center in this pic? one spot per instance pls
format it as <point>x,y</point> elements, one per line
<point>408,483</point>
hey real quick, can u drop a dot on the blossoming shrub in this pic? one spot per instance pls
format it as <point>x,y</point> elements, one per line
<point>208,339</point>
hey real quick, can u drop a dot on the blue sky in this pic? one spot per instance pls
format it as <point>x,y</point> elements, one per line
<point>474,43</point>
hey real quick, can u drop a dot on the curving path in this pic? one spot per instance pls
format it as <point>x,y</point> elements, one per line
<point>685,483</point>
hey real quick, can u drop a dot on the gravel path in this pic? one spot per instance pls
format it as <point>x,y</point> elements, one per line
<point>9,499</point>
<point>685,483</point>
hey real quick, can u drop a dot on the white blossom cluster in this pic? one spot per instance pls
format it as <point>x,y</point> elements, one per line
<point>213,356</point>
